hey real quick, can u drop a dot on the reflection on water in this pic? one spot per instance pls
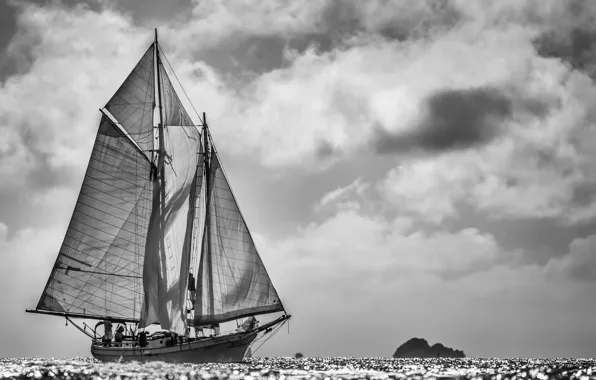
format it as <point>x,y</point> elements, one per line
<point>305,368</point>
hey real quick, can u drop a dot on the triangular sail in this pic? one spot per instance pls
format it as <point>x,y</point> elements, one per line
<point>232,280</point>
<point>99,267</point>
<point>132,105</point>
<point>166,270</point>
<point>174,113</point>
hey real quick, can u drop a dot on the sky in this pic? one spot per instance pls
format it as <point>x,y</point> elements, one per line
<point>408,169</point>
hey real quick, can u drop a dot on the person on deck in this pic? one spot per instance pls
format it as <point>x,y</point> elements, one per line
<point>249,324</point>
<point>107,338</point>
<point>142,339</point>
<point>193,289</point>
<point>119,336</point>
<point>198,331</point>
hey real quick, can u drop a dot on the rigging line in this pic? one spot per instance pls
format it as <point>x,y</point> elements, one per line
<point>103,211</point>
<point>78,249</point>
<point>97,218</point>
<point>95,191</point>
<point>113,176</point>
<point>69,268</point>
<point>92,275</point>
<point>90,193</point>
<point>183,90</point>
<point>98,230</point>
<point>94,285</point>
<point>83,302</point>
<point>123,157</point>
<point>112,243</point>
<point>273,333</point>
<point>77,299</point>
<point>119,189</point>
<point>129,154</point>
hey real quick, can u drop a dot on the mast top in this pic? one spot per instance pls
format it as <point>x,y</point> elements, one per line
<point>156,35</point>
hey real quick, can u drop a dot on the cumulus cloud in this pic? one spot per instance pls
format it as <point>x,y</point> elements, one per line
<point>502,116</point>
<point>48,138</point>
<point>455,119</point>
<point>579,263</point>
<point>353,263</point>
<point>371,246</point>
<point>570,35</point>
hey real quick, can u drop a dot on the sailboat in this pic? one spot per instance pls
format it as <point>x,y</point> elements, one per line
<point>157,239</point>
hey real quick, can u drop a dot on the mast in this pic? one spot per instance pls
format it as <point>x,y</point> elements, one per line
<point>207,233</point>
<point>161,150</point>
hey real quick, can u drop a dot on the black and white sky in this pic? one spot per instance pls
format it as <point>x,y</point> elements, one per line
<point>408,168</point>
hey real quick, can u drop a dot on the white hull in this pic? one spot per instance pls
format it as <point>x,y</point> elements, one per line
<point>222,349</point>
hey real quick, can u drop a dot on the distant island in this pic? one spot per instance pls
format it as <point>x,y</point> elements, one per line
<point>419,348</point>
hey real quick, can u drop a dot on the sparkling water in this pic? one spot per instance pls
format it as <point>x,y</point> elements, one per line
<point>304,368</point>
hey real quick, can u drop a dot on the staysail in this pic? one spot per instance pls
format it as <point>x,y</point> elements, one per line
<point>98,269</point>
<point>167,263</point>
<point>232,280</point>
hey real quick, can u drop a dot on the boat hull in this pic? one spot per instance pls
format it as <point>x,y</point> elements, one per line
<point>224,349</point>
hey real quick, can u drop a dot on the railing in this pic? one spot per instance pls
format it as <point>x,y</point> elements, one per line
<point>157,340</point>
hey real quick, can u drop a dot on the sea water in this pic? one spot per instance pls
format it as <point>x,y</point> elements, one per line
<point>304,368</point>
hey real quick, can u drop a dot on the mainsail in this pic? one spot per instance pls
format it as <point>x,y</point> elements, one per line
<point>98,269</point>
<point>232,280</point>
<point>167,263</point>
<point>155,204</point>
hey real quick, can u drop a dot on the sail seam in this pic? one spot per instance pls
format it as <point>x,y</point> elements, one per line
<point>90,246</point>
<point>86,300</point>
<point>115,187</point>
<point>111,204</point>
<point>107,251</point>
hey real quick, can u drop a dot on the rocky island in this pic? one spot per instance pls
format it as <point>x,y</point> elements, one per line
<point>419,348</point>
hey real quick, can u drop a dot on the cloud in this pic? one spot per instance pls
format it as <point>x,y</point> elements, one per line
<point>579,263</point>
<point>570,35</point>
<point>43,134</point>
<point>306,88</point>
<point>340,197</point>
<point>458,119</point>
<point>447,285</point>
<point>350,241</point>
<point>454,119</point>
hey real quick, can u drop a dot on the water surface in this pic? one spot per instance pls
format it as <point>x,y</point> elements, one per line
<point>305,368</point>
